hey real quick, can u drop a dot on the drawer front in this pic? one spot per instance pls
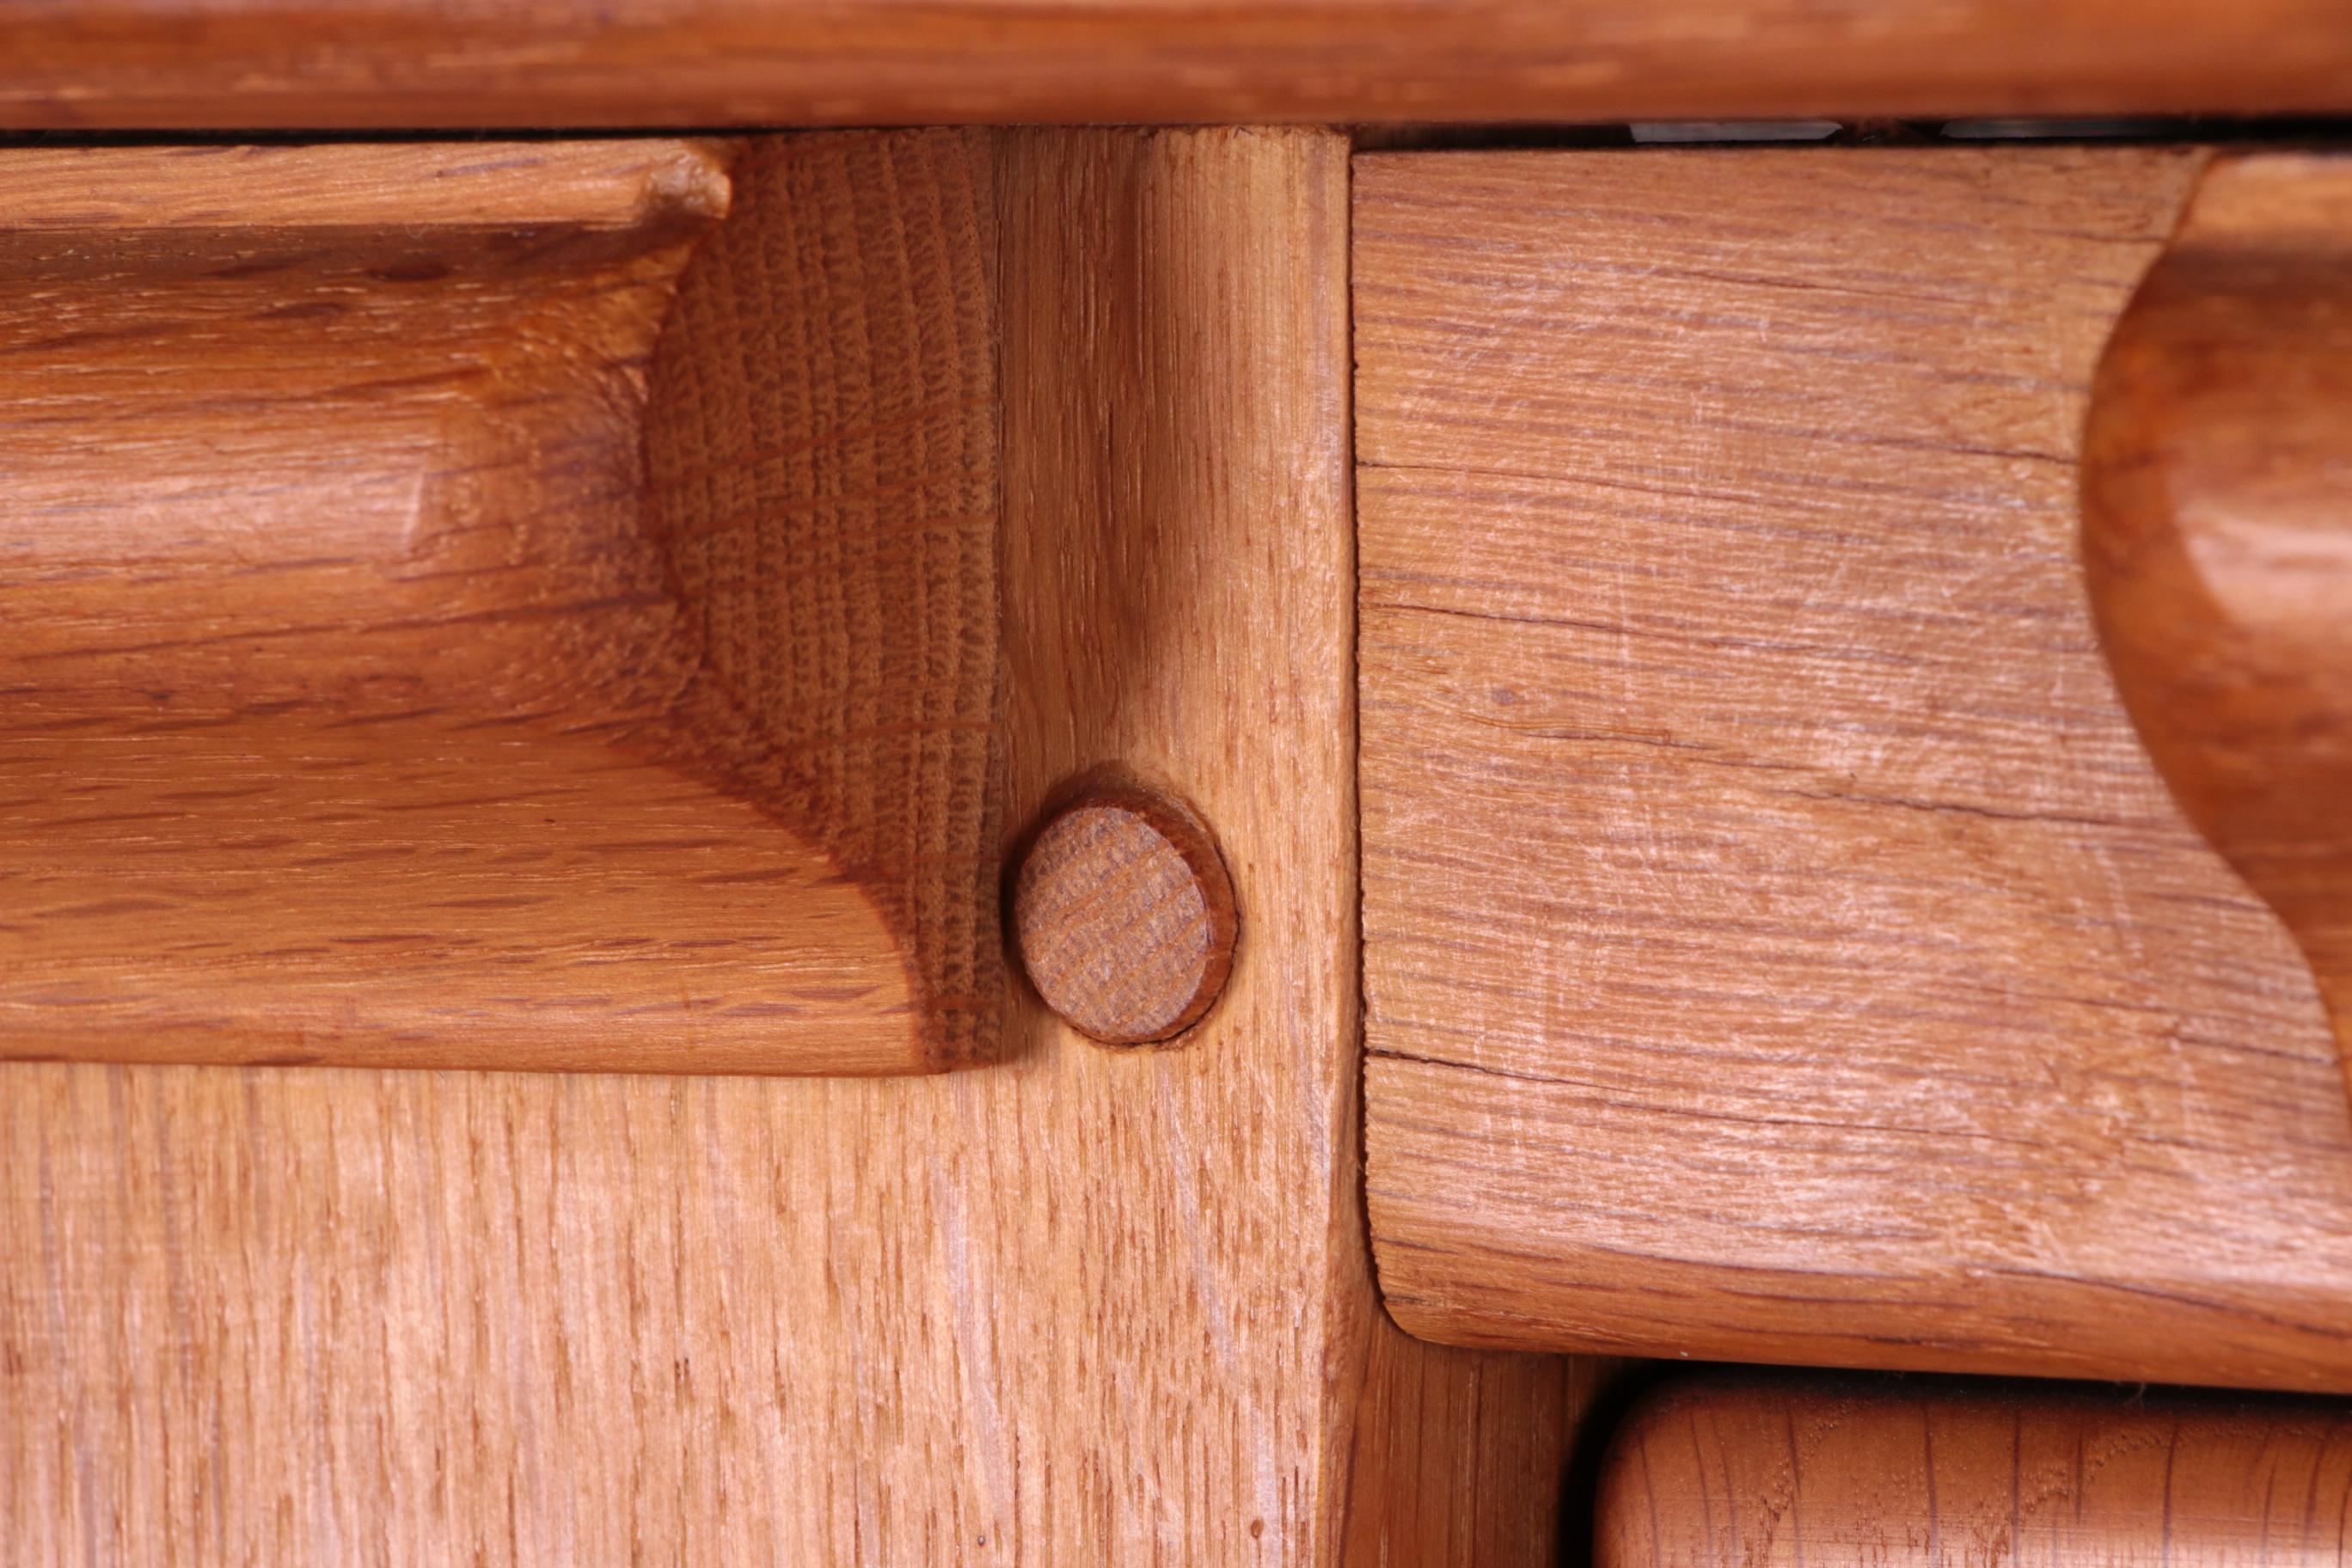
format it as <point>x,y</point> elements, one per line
<point>1777,944</point>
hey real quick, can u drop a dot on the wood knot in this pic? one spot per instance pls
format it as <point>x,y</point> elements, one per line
<point>1123,915</point>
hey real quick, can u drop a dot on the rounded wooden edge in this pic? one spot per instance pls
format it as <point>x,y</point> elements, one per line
<point>2214,535</point>
<point>1705,1455</point>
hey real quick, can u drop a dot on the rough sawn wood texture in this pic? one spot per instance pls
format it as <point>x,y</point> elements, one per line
<point>1777,945</point>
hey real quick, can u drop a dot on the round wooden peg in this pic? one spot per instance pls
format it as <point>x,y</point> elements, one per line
<point>1124,915</point>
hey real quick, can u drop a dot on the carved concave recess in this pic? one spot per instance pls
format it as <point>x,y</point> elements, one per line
<point>2217,518</point>
<point>415,652</point>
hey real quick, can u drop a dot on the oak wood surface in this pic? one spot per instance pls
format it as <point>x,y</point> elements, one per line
<point>824,486</point>
<point>2217,534</point>
<point>1123,915</point>
<point>381,685</point>
<point>1085,1305</point>
<point>1924,1473</point>
<point>403,64</point>
<point>1777,945</point>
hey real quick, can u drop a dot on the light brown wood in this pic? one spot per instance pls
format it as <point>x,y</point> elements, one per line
<point>1085,1305</point>
<point>1925,1474</point>
<point>1777,944</point>
<point>824,486</point>
<point>399,64</point>
<point>386,685</point>
<point>1123,915</point>
<point>2217,534</point>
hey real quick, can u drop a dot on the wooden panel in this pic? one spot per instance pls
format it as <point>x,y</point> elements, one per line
<point>385,685</point>
<point>1923,1474</point>
<point>1086,1306</point>
<point>2217,534</point>
<point>1778,946</point>
<point>405,63</point>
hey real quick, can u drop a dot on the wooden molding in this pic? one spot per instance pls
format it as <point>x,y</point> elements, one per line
<point>2217,534</point>
<point>389,681</point>
<point>1777,944</point>
<point>402,64</point>
<point>1773,1472</point>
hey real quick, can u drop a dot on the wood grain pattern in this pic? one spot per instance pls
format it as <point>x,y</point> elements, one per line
<point>2217,535</point>
<point>824,486</point>
<point>1777,945</point>
<point>401,64</point>
<point>366,701</point>
<point>1123,915</point>
<point>1085,1305</point>
<point>1925,1474</point>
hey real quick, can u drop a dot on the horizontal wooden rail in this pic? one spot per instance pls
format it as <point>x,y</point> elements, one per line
<point>409,63</point>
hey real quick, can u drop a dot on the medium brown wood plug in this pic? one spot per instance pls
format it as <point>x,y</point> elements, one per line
<point>1124,916</point>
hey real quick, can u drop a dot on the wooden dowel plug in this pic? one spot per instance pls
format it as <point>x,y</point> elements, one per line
<point>1124,914</point>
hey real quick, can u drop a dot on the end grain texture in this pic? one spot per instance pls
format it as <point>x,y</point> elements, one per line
<point>1123,915</point>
